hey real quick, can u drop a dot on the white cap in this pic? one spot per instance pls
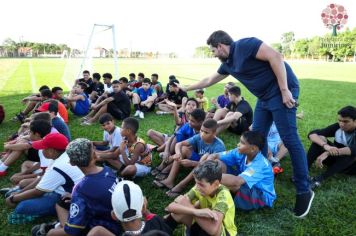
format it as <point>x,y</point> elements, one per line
<point>127,201</point>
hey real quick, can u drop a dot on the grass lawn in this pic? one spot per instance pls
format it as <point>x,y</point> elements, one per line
<point>325,88</point>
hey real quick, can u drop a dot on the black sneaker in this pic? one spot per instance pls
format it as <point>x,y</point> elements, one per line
<point>43,229</point>
<point>21,117</point>
<point>303,204</point>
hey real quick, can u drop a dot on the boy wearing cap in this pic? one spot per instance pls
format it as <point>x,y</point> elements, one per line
<point>91,198</point>
<point>208,208</point>
<point>58,179</point>
<point>128,205</point>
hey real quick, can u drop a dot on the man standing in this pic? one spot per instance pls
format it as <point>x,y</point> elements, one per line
<point>264,73</point>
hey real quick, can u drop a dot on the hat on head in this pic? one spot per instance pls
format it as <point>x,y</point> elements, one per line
<point>56,141</point>
<point>127,201</point>
<point>79,152</point>
<point>43,107</point>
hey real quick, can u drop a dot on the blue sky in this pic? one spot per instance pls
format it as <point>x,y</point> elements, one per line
<point>163,25</point>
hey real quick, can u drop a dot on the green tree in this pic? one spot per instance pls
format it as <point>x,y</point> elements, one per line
<point>287,41</point>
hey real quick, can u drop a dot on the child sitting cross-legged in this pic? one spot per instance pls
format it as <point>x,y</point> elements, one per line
<point>188,154</point>
<point>248,173</point>
<point>134,155</point>
<point>78,101</point>
<point>208,208</point>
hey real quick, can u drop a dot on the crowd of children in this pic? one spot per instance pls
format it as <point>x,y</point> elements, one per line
<point>88,184</point>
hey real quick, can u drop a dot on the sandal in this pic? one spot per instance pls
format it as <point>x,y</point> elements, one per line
<point>173,194</point>
<point>161,176</point>
<point>155,171</point>
<point>159,184</point>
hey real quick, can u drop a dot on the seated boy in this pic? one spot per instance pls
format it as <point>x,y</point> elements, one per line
<point>203,101</point>
<point>185,132</point>
<point>117,104</point>
<point>156,85</point>
<point>107,77</point>
<point>129,207</point>
<point>38,129</point>
<point>91,197</point>
<point>59,178</point>
<point>208,208</point>
<point>112,137</point>
<point>57,94</point>
<point>236,116</point>
<point>31,102</point>
<point>78,101</point>
<point>223,100</point>
<point>143,98</point>
<point>88,82</point>
<point>62,110</point>
<point>98,88</point>
<point>134,155</point>
<point>132,81</point>
<point>175,95</point>
<point>188,154</point>
<point>340,155</point>
<point>248,173</point>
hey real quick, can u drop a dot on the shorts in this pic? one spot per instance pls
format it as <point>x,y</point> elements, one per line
<point>241,126</point>
<point>274,147</point>
<point>249,199</point>
<point>152,108</point>
<point>32,155</point>
<point>115,111</point>
<point>80,111</point>
<point>141,170</point>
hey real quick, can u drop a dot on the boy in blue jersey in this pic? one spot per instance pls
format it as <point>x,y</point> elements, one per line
<point>188,154</point>
<point>78,101</point>
<point>248,173</point>
<point>187,131</point>
<point>143,98</point>
<point>91,198</point>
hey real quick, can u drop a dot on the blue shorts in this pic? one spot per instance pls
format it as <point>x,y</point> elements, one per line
<point>249,199</point>
<point>80,110</point>
<point>274,147</point>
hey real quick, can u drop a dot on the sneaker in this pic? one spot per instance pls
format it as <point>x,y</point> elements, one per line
<point>303,203</point>
<point>142,115</point>
<point>21,117</point>
<point>137,113</point>
<point>43,229</point>
<point>4,190</point>
<point>12,190</point>
<point>277,169</point>
<point>3,173</point>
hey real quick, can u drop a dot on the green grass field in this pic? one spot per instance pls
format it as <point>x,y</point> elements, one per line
<point>325,88</point>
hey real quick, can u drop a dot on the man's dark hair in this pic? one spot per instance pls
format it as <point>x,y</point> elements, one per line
<point>219,37</point>
<point>107,76</point>
<point>86,72</point>
<point>146,80</point>
<point>55,89</point>
<point>132,75</point>
<point>131,124</point>
<point>142,75</point>
<point>53,107</point>
<point>155,75</point>
<point>172,77</point>
<point>42,116</point>
<point>105,118</point>
<point>348,111</point>
<point>254,138</point>
<point>83,85</point>
<point>235,91</point>
<point>173,83</point>
<point>42,127</point>
<point>210,124</point>
<point>194,100</point>
<point>198,115</point>
<point>46,93</point>
<point>209,171</point>
<point>43,87</point>
<point>124,80</point>
<point>96,76</point>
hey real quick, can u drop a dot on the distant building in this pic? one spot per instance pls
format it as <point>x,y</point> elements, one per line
<point>24,52</point>
<point>100,52</point>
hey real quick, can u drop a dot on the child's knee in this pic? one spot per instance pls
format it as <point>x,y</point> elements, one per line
<point>129,170</point>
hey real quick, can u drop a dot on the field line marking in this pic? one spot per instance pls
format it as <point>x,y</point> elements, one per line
<point>33,78</point>
<point>4,80</point>
<point>69,86</point>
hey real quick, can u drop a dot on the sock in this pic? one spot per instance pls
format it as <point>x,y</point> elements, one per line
<point>3,167</point>
<point>137,107</point>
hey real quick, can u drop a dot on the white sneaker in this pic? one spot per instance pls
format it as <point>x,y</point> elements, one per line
<point>142,115</point>
<point>137,113</point>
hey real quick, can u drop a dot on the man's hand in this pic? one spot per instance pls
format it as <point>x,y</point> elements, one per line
<point>288,99</point>
<point>334,151</point>
<point>320,159</point>
<point>184,88</point>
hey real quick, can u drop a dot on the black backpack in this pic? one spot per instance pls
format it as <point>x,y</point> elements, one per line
<point>2,113</point>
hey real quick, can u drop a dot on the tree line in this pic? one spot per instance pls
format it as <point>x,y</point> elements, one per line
<point>332,48</point>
